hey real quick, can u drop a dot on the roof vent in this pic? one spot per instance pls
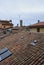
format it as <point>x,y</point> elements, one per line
<point>34,42</point>
<point>22,37</point>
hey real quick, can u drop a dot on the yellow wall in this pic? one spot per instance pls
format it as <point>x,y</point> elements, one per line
<point>6,26</point>
<point>0,25</point>
<point>33,29</point>
<point>41,29</point>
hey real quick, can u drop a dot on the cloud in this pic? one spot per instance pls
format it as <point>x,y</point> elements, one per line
<point>24,9</point>
<point>21,6</point>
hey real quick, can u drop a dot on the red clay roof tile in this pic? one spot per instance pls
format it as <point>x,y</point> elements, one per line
<point>37,24</point>
<point>23,52</point>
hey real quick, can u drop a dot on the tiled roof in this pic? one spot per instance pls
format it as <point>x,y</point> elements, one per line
<point>23,53</point>
<point>6,22</point>
<point>40,24</point>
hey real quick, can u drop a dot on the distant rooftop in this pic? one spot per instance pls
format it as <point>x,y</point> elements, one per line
<point>5,20</point>
<point>39,24</point>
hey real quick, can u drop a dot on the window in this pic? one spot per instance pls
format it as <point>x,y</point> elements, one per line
<point>3,50</point>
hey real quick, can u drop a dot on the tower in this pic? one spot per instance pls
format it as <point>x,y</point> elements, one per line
<point>21,21</point>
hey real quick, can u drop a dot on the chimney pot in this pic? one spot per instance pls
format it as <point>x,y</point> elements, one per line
<point>38,21</point>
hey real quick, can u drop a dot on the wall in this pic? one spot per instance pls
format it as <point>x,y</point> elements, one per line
<point>6,26</point>
<point>33,29</point>
<point>41,29</point>
<point>0,25</point>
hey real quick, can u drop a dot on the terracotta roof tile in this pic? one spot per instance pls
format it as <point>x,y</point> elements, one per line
<point>23,52</point>
<point>37,24</point>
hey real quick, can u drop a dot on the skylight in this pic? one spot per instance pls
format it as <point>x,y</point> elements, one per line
<point>4,53</point>
<point>3,50</point>
<point>33,43</point>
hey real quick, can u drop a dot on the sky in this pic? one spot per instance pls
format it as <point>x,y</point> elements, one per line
<point>27,10</point>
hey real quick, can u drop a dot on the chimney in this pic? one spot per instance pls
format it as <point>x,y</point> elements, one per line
<point>38,21</point>
<point>17,25</point>
<point>21,23</point>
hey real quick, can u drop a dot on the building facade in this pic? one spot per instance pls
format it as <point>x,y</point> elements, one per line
<point>6,24</point>
<point>38,27</point>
